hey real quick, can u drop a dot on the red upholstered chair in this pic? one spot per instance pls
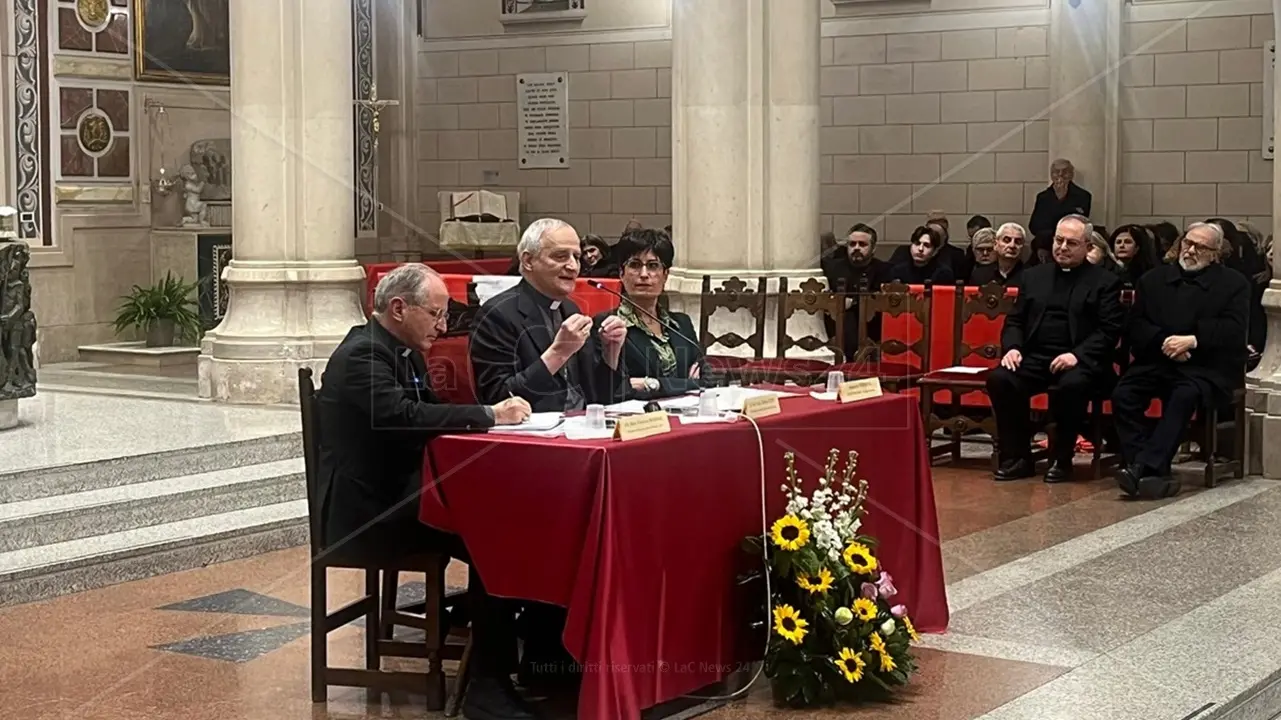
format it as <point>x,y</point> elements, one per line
<point>901,356</point>
<point>812,298</point>
<point>732,295</point>
<point>449,369</point>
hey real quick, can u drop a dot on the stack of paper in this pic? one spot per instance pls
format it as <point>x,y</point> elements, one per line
<point>547,424</point>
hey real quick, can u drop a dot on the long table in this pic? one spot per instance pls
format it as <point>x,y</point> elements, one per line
<point>641,540</point>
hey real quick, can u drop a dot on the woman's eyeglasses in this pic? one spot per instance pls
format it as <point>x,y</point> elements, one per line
<point>653,266</point>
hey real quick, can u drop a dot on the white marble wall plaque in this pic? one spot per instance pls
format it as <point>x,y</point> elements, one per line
<point>1269,80</point>
<point>544,119</point>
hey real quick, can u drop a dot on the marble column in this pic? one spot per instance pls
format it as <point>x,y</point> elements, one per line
<point>293,280</point>
<point>1085,49</point>
<point>745,133</point>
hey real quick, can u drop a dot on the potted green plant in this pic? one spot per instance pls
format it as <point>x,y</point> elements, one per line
<point>163,311</point>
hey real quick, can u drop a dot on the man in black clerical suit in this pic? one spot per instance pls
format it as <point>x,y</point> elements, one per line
<point>532,342</point>
<point>1061,336</point>
<point>376,414</point>
<point>1188,339</point>
<point>854,266</point>
<point>1063,197</point>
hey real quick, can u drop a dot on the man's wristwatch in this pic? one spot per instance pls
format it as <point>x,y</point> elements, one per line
<point>651,384</point>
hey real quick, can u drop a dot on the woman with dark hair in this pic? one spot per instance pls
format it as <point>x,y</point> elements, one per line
<point>1135,252</point>
<point>1165,235</point>
<point>661,351</point>
<point>597,258</point>
<point>924,265</point>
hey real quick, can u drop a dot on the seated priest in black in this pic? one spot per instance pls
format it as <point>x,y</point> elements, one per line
<point>1007,270</point>
<point>1188,340</point>
<point>532,342</point>
<point>853,266</point>
<point>1061,337</point>
<point>661,353</point>
<point>924,264</point>
<point>375,416</point>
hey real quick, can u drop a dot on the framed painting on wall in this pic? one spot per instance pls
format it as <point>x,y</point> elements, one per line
<point>182,41</point>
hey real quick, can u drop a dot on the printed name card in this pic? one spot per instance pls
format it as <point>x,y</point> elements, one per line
<point>856,390</point>
<point>635,427</point>
<point>761,406</point>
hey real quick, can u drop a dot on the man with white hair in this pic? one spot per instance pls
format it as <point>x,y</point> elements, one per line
<point>1062,198</point>
<point>1188,339</point>
<point>1008,268</point>
<point>532,342</point>
<point>376,415</point>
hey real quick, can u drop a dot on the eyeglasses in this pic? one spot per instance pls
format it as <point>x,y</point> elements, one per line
<point>635,266</point>
<point>1197,247</point>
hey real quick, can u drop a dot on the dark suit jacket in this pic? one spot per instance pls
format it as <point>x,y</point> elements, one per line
<point>507,344</point>
<point>641,357</point>
<point>375,415</point>
<point>1049,210</point>
<point>981,275</point>
<point>949,255</point>
<point>1213,305</point>
<point>856,280</point>
<point>1095,314</point>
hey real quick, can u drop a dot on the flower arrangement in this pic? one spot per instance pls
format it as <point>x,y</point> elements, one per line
<point>835,633</point>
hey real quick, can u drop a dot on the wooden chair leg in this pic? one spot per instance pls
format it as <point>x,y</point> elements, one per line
<point>373,623</point>
<point>956,431</point>
<point>319,632</point>
<point>435,632</point>
<point>387,601</point>
<point>455,701</point>
<point>1239,430</point>
<point>1210,445</point>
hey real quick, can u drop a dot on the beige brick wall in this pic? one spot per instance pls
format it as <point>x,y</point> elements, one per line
<point>1192,119</point>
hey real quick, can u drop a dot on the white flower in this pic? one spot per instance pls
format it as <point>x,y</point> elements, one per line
<point>806,514</point>
<point>887,627</point>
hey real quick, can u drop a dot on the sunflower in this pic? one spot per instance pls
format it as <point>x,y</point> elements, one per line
<point>887,663</point>
<point>788,624</point>
<point>865,609</point>
<point>851,665</point>
<point>858,557</point>
<point>821,583</point>
<point>877,643</point>
<point>790,533</point>
<point>911,629</point>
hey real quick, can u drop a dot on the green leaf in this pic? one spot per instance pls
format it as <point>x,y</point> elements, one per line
<point>783,563</point>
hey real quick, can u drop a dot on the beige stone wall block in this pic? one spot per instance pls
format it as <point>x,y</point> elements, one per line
<point>826,112</point>
<point>897,229</point>
<point>546,200</point>
<point>664,141</point>
<point>885,140</point>
<point>1217,166</point>
<point>997,199</point>
<point>950,198</point>
<point>913,47</point>
<point>497,145</point>
<point>580,113</point>
<point>579,173</point>
<point>508,117</point>
<point>426,88</point>
<point>994,137</point>
<point>498,89</point>
<point>610,225</point>
<point>612,56</point>
<point>826,51</point>
<point>524,177</point>
<point>1137,70</point>
<point>1219,101</point>
<point>950,76</point>
<point>913,169</point>
<point>1219,33</point>
<point>939,138</point>
<point>1021,104</point>
<point>862,110</point>
<point>437,64</point>
<point>442,173</point>
<point>456,90</point>
<point>427,146</point>
<point>838,80</point>
<point>1190,68</point>
<point>909,109</point>
<point>591,143</point>
<point>664,82</point>
<point>459,145</point>
<point>1193,199</point>
<point>484,116</point>
<point>858,169</point>
<point>1000,74</point>
<point>478,62</point>
<point>874,200</point>
<point>859,50</point>
<point>825,171</point>
<point>1239,200</point>
<point>568,58</point>
<point>838,141</point>
<point>969,44</point>
<point>1021,167</point>
<point>513,61</point>
<point>612,173</point>
<point>654,113</point>
<point>1136,135</point>
<point>634,200</point>
<point>1262,30</point>
<point>591,85</point>
<point>1036,72</point>
<point>838,199</point>
<point>1241,66</point>
<point>1256,99</point>
<point>1136,199</point>
<point>1241,133</point>
<point>1198,134</point>
<point>968,107</point>
<point>635,142</point>
<point>635,84</point>
<point>1154,102</point>
<point>654,171</point>
<point>1022,42</point>
<point>612,113</point>
<point>591,200</point>
<point>1151,38</point>
<point>1260,170</point>
<point>438,117</point>
<point>967,168</point>
<point>663,200</point>
<point>1155,168</point>
<point>1036,137</point>
<point>884,79</point>
<point>653,54</point>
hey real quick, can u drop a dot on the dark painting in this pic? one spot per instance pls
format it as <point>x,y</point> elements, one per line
<point>182,41</point>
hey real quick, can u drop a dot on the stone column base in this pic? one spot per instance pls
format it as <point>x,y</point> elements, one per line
<point>1263,429</point>
<point>8,414</point>
<point>281,316</point>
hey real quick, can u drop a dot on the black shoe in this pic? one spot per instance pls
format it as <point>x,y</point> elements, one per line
<point>1059,471</point>
<point>493,699</point>
<point>1158,487</point>
<point>1128,477</point>
<point>1016,469</point>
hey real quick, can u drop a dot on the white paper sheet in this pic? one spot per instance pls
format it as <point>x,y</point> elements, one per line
<point>575,428</point>
<point>487,286</point>
<point>627,407</point>
<point>696,420</point>
<point>827,396</point>
<point>965,370</point>
<point>536,423</point>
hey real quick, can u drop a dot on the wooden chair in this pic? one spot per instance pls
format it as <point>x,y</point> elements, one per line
<point>814,299</point>
<point>893,300</point>
<point>378,605</point>
<point>1211,424</point>
<point>732,295</point>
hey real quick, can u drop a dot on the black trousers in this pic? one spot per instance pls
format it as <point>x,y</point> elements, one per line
<point>1011,392</point>
<point>1148,442</point>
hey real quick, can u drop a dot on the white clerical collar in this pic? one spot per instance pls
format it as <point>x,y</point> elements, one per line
<point>555,305</point>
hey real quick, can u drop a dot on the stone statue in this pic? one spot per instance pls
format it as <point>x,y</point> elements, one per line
<point>194,213</point>
<point>17,323</point>
<point>212,160</point>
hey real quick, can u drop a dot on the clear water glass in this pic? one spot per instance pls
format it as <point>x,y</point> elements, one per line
<point>834,380</point>
<point>708,405</point>
<point>595,417</point>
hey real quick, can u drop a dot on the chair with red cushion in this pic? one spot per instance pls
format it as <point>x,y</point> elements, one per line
<point>732,295</point>
<point>899,363</point>
<point>814,299</point>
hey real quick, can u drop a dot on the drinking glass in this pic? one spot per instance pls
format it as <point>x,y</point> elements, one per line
<point>708,404</point>
<point>595,417</point>
<point>834,380</point>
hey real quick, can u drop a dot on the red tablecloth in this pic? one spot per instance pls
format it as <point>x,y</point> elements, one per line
<point>641,540</point>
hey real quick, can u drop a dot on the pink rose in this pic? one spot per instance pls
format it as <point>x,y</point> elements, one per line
<point>886,586</point>
<point>898,611</point>
<point>868,591</point>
